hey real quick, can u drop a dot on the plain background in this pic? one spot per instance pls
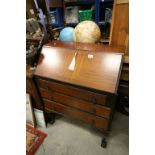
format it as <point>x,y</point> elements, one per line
<point>13,77</point>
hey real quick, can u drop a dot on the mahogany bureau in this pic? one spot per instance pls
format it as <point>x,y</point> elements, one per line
<point>87,92</point>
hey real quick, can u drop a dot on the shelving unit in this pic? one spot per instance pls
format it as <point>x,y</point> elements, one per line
<point>54,12</point>
<point>57,18</point>
<point>82,4</point>
<point>99,12</point>
<point>71,24</point>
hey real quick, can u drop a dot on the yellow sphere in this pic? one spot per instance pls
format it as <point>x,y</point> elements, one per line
<point>87,32</point>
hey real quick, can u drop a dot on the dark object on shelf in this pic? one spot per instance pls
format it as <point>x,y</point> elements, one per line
<point>53,32</point>
<point>106,30</point>
<point>106,24</point>
<point>71,14</point>
<point>55,17</point>
<point>108,15</point>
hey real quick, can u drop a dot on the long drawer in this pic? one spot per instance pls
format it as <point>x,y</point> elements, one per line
<point>72,91</point>
<point>77,103</point>
<point>97,122</point>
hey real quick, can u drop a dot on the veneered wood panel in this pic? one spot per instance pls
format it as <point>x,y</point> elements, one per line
<point>88,118</point>
<point>77,103</point>
<point>68,111</point>
<point>100,73</point>
<point>121,1</point>
<point>120,26</point>
<point>67,100</point>
<point>74,92</point>
<point>86,46</point>
<point>103,111</point>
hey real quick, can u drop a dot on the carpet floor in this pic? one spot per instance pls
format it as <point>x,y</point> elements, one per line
<point>69,137</point>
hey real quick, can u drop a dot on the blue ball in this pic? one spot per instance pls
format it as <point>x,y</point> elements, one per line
<point>67,34</point>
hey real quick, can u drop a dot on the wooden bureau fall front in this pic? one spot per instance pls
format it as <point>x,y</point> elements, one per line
<point>87,92</point>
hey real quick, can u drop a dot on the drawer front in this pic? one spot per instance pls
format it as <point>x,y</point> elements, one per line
<point>72,91</point>
<point>76,103</point>
<point>100,123</point>
<point>67,100</point>
<point>103,111</point>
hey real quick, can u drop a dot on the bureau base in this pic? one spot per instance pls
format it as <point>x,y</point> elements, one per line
<point>51,116</point>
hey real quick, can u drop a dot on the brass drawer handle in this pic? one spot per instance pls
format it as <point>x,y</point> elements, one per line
<point>94,100</point>
<point>49,88</point>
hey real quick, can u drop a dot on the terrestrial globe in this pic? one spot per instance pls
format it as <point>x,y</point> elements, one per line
<point>66,34</point>
<point>87,32</point>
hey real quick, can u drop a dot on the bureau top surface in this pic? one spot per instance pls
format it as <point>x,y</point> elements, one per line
<point>96,70</point>
<point>86,46</point>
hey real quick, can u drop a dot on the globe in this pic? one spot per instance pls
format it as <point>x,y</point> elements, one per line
<point>67,34</point>
<point>87,32</point>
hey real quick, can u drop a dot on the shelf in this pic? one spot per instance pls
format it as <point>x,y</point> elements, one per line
<point>74,24</point>
<point>55,24</point>
<point>55,3</point>
<point>101,23</point>
<point>106,1</point>
<point>80,2</point>
<point>71,24</point>
<point>83,4</point>
<point>104,41</point>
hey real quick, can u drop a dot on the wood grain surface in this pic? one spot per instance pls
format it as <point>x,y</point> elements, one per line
<point>73,91</point>
<point>100,72</point>
<point>119,34</point>
<point>76,103</point>
<point>86,46</point>
<point>98,122</point>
